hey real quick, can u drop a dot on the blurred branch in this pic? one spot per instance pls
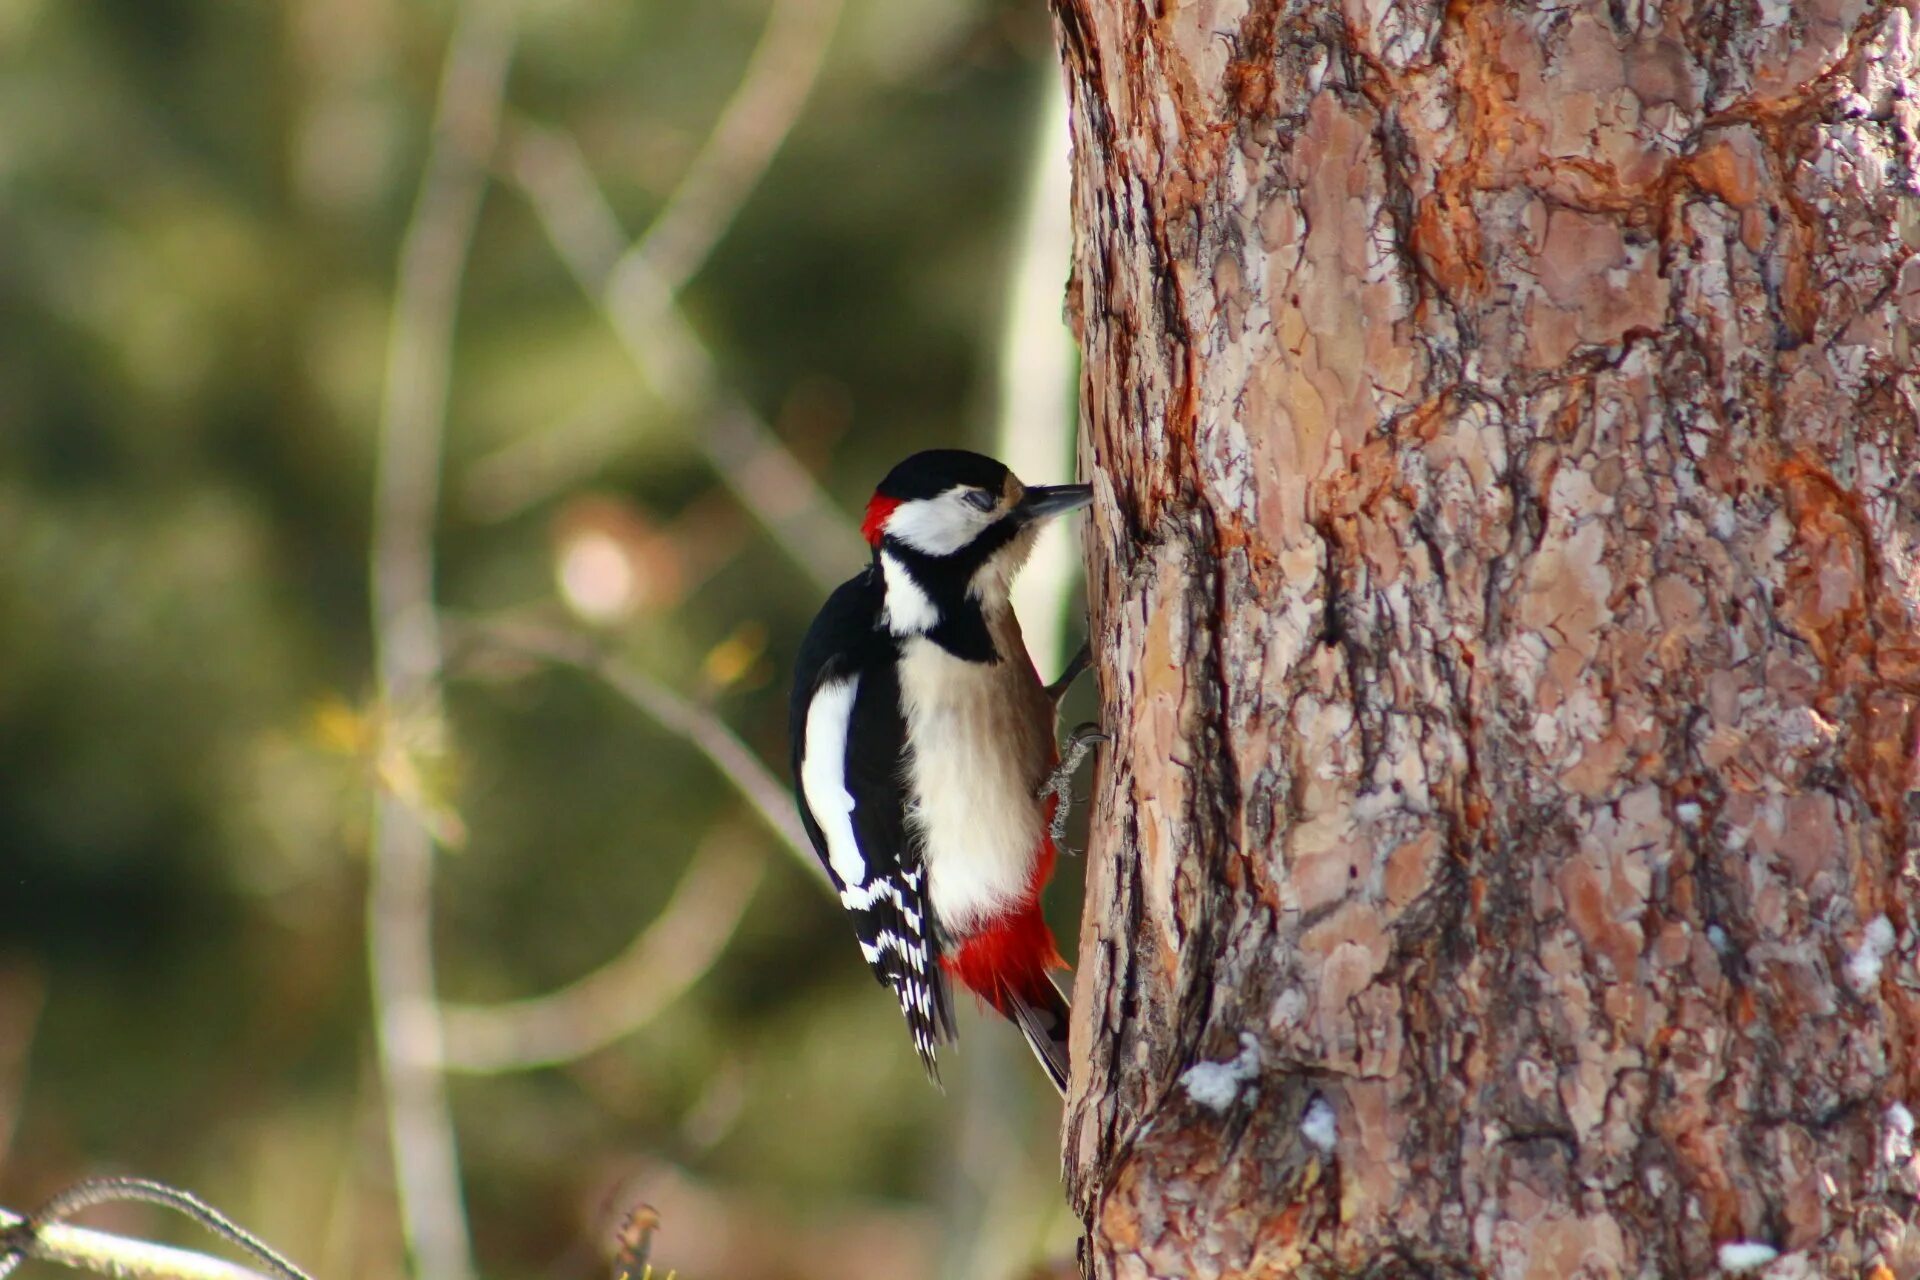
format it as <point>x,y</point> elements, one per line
<point>752,126</point>
<point>1037,362</point>
<point>700,727</point>
<point>741,448</point>
<point>41,1235</point>
<point>627,992</point>
<point>634,284</point>
<point>406,635</point>
<point>506,481</point>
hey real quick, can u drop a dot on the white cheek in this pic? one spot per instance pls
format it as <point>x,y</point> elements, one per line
<point>937,526</point>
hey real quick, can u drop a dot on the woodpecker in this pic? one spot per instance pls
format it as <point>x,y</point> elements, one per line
<point>926,766</point>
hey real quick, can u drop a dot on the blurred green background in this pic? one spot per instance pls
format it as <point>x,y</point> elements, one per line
<point>203,205</point>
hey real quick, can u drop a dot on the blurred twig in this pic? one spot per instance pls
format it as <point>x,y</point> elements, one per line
<point>40,1235</point>
<point>752,126</point>
<point>406,634</point>
<point>634,283</point>
<point>627,992</point>
<point>700,727</point>
<point>506,481</point>
<point>743,451</point>
<point>1036,367</point>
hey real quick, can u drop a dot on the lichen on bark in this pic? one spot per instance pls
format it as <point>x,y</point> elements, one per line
<point>1505,424</point>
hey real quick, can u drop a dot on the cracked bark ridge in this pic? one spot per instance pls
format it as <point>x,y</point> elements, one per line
<point>1506,430</point>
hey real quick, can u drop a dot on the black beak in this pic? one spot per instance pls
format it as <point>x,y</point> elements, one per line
<point>1046,500</point>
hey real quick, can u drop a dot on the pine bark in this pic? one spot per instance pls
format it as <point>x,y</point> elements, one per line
<point>1506,574</point>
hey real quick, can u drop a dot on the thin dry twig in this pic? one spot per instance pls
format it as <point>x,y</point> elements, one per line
<point>705,731</point>
<point>111,1255</point>
<point>627,992</point>
<point>406,632</point>
<point>41,1235</point>
<point>741,448</point>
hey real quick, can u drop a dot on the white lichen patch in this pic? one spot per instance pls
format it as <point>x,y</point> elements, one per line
<point>1319,1125</point>
<point>1738,1257</point>
<point>1216,1084</point>
<point>1876,944</point>
<point>1896,1145</point>
<point>1289,1010</point>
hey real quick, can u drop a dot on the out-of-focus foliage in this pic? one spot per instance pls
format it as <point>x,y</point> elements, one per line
<point>201,203</point>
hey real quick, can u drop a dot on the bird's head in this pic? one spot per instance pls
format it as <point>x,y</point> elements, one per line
<point>949,528</point>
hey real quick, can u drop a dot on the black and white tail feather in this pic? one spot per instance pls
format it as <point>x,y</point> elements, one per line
<point>891,921</point>
<point>849,739</point>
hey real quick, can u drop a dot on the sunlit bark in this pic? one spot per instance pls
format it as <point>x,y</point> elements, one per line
<point>1507,584</point>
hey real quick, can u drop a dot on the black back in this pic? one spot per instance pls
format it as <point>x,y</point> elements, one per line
<point>848,639</point>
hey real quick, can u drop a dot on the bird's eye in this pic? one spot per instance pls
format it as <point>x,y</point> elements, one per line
<point>980,499</point>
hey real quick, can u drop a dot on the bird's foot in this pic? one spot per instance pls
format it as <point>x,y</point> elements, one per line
<point>1059,783</point>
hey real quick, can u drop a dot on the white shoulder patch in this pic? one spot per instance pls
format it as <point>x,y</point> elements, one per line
<point>909,610</point>
<point>823,776</point>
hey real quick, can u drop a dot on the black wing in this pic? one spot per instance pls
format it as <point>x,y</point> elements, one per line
<point>847,676</point>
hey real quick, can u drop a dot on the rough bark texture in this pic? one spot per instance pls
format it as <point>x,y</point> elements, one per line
<point>1507,556</point>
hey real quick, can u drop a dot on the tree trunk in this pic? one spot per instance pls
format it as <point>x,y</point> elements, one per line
<point>1507,581</point>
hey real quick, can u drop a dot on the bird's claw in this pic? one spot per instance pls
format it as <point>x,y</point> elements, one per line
<point>1083,736</point>
<point>1059,782</point>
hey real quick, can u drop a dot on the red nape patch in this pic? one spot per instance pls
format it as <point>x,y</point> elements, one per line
<point>875,524</point>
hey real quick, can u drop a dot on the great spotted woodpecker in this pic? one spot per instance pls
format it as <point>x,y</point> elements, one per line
<point>924,754</point>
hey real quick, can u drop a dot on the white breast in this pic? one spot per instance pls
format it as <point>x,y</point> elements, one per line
<point>979,745</point>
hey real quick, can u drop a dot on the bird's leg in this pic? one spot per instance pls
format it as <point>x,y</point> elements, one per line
<point>1059,783</point>
<point>1078,663</point>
